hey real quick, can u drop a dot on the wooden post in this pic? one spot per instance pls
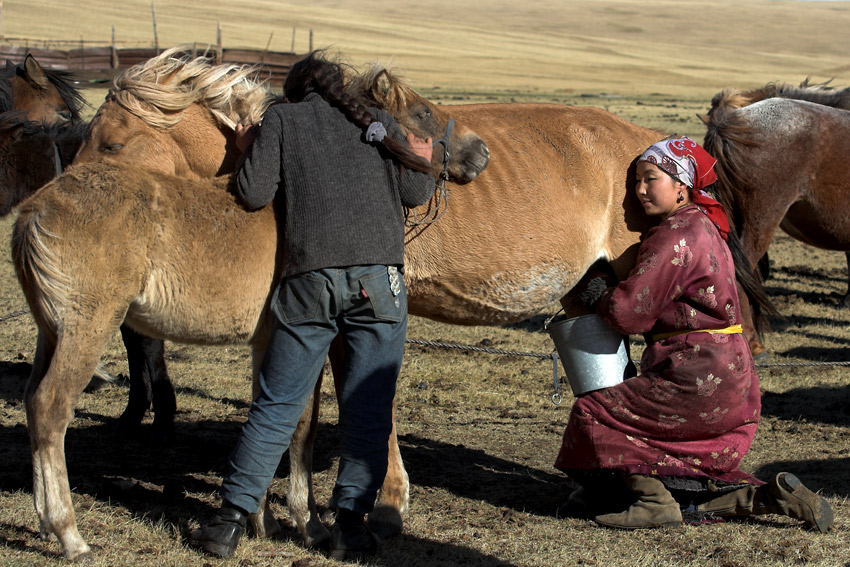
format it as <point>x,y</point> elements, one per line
<point>311,41</point>
<point>293,40</point>
<point>219,52</point>
<point>1,18</point>
<point>266,50</point>
<point>155,35</point>
<point>113,63</point>
<point>82,54</point>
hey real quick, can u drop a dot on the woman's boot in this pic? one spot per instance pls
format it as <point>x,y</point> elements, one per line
<point>655,507</point>
<point>784,495</point>
<point>589,501</point>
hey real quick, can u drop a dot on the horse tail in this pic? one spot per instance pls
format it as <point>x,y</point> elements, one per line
<point>37,267</point>
<point>727,134</point>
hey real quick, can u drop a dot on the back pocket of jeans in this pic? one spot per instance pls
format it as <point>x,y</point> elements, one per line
<point>384,304</point>
<point>299,297</point>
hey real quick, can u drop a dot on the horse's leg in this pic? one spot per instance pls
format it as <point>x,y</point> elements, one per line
<point>59,376</point>
<point>149,382</point>
<point>301,500</point>
<point>755,241</point>
<point>750,332</point>
<point>43,354</point>
<point>394,498</point>
<point>846,301</point>
<point>764,266</point>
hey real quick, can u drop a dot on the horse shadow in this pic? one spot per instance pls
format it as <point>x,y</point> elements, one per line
<point>823,404</point>
<point>160,482</point>
<point>477,475</point>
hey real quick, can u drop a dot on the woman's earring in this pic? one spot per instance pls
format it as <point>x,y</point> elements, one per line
<point>680,198</point>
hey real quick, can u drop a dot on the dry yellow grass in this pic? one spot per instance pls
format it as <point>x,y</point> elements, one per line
<point>621,47</point>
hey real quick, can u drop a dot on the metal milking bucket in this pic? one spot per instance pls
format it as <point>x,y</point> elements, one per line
<point>593,354</point>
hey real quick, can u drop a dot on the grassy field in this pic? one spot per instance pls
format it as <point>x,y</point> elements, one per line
<point>613,47</point>
<point>478,431</point>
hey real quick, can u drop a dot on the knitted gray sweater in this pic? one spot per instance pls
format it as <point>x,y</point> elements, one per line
<point>339,196</point>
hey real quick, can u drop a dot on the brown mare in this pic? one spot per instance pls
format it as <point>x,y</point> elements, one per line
<point>512,241</point>
<point>42,95</point>
<point>752,134</point>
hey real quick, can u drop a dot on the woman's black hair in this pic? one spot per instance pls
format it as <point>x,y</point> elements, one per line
<point>317,74</point>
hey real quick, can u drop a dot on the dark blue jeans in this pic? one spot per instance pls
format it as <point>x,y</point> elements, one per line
<point>311,309</point>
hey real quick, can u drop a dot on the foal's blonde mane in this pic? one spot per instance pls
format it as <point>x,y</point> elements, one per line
<point>158,90</point>
<point>383,87</point>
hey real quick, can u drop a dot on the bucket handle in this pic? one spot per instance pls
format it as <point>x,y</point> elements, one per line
<point>556,383</point>
<point>548,321</point>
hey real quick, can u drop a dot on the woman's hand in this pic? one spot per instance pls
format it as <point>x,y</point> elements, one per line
<point>593,284</point>
<point>423,148</point>
<point>245,136</point>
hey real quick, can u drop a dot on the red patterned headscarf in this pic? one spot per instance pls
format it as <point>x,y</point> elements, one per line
<point>688,162</point>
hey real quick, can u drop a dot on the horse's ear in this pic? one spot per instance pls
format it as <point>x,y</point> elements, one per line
<point>12,130</point>
<point>35,73</point>
<point>382,86</point>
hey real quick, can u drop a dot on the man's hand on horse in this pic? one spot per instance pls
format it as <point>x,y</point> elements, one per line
<point>245,135</point>
<point>423,148</point>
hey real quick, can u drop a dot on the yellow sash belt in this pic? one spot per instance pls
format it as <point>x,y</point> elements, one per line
<point>727,331</point>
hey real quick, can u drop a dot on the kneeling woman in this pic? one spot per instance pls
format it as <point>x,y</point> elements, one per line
<point>684,424</point>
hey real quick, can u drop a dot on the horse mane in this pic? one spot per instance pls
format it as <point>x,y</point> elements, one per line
<point>67,136</point>
<point>158,90</point>
<point>382,87</point>
<point>820,93</point>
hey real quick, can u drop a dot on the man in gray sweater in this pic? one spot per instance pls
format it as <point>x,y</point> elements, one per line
<point>339,174</point>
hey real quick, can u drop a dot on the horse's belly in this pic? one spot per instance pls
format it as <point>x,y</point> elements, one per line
<point>204,305</point>
<point>820,228</point>
<point>501,298</point>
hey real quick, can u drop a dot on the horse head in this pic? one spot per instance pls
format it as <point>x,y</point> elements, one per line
<point>176,114</point>
<point>44,95</point>
<point>464,155</point>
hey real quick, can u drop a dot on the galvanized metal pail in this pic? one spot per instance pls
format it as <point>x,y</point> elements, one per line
<point>592,353</point>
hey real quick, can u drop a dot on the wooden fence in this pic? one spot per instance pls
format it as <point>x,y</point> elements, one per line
<point>102,63</point>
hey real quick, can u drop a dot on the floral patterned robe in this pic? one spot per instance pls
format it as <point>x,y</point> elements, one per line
<point>693,410</point>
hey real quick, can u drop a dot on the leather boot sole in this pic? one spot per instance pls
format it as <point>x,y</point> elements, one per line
<point>613,523</point>
<point>817,512</point>
<point>212,548</point>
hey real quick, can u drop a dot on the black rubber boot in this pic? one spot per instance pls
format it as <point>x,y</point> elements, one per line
<point>221,536</point>
<point>351,539</point>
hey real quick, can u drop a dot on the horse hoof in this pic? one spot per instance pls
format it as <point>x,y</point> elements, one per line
<point>385,522</point>
<point>319,538</point>
<point>328,516</point>
<point>762,356</point>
